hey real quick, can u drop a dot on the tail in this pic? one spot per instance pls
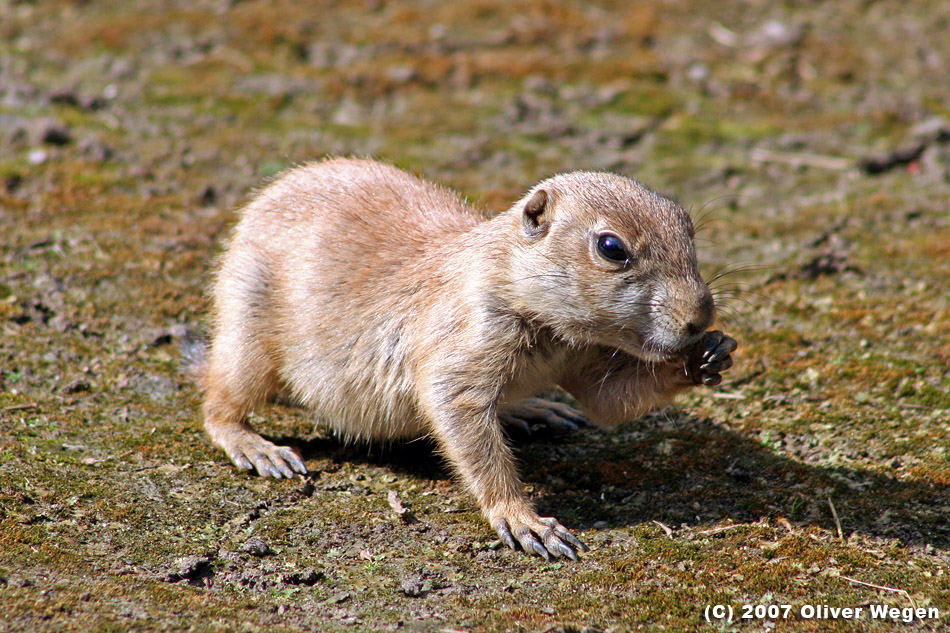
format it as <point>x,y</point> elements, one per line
<point>193,349</point>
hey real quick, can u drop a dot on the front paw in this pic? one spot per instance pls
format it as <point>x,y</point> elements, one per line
<point>543,536</point>
<point>710,356</point>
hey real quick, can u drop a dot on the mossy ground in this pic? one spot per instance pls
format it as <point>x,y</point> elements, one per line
<point>130,132</point>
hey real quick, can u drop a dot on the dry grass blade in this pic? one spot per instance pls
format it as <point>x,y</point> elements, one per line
<point>724,395</point>
<point>724,528</point>
<point>882,588</point>
<point>21,407</point>
<point>665,528</point>
<point>834,513</point>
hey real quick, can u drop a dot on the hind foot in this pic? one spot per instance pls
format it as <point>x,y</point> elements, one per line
<point>248,450</point>
<point>535,413</point>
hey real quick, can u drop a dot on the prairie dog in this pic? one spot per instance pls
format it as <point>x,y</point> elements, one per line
<point>392,309</point>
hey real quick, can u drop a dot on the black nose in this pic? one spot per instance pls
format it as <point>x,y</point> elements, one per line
<point>703,317</point>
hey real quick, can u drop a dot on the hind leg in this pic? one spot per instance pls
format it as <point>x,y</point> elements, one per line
<point>236,382</point>
<point>534,413</point>
<point>241,370</point>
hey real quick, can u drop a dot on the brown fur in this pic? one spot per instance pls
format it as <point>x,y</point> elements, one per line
<point>393,310</point>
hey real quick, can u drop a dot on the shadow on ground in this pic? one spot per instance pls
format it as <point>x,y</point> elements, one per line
<point>683,471</point>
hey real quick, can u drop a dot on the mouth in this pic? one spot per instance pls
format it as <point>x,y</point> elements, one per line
<point>658,356</point>
<point>652,352</point>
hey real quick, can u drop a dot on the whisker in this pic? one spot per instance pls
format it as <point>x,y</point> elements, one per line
<point>603,381</point>
<point>736,269</point>
<point>706,213</point>
<point>727,296</point>
<point>730,317</point>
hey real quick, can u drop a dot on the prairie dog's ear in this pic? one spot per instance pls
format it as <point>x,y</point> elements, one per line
<point>536,213</point>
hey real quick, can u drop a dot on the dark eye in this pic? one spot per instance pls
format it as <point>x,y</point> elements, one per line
<point>610,247</point>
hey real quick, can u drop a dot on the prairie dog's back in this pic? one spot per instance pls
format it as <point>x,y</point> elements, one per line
<point>362,200</point>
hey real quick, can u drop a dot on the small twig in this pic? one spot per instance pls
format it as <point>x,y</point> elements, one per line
<point>21,407</point>
<point>722,35</point>
<point>726,395</point>
<point>883,588</point>
<point>669,532</point>
<point>834,513</point>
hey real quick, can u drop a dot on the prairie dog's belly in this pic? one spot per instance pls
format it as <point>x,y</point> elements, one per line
<point>397,426</point>
<point>358,382</point>
<point>372,407</point>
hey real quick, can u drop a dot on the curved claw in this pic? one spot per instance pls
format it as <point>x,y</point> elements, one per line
<point>560,413</point>
<point>531,544</point>
<point>565,534</point>
<point>242,463</point>
<point>711,380</point>
<point>265,468</point>
<point>726,346</point>
<point>556,546</point>
<point>250,451</point>
<point>504,532</point>
<point>710,342</point>
<point>555,540</point>
<point>293,459</point>
<point>709,357</point>
<point>716,366</point>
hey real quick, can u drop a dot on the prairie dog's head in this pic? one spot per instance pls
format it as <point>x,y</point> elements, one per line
<point>601,259</point>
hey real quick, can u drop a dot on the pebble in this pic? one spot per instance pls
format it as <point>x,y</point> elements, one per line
<point>412,586</point>
<point>257,547</point>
